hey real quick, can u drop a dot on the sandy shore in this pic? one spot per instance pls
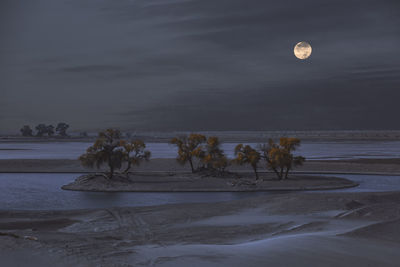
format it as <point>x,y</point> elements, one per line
<point>188,182</point>
<point>294,229</point>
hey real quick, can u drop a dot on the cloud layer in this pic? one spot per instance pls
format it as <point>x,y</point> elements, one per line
<point>200,65</point>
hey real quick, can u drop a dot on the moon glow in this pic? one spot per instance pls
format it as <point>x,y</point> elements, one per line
<point>302,50</point>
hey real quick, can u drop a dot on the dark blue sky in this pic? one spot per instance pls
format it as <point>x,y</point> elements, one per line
<point>200,65</point>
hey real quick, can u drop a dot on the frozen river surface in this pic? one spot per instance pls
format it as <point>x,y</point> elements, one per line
<point>37,191</point>
<point>312,150</point>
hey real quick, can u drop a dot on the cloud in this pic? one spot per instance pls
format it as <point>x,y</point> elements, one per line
<point>173,64</point>
<point>93,68</point>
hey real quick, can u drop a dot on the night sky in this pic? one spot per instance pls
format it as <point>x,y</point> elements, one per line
<point>200,65</point>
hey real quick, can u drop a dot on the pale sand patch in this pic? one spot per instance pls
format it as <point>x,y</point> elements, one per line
<point>336,229</point>
<point>295,250</point>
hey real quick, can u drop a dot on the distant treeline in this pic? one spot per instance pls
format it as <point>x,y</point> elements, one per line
<point>45,130</point>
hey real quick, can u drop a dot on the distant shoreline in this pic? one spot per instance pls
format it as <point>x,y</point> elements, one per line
<point>230,136</point>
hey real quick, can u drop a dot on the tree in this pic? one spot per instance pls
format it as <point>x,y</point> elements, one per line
<point>26,130</point>
<point>135,153</point>
<point>50,130</point>
<point>279,156</point>
<point>247,155</point>
<point>107,149</point>
<point>62,128</point>
<point>189,147</point>
<point>213,157</point>
<point>41,129</point>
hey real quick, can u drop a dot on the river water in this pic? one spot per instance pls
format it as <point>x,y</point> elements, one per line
<point>38,191</point>
<point>311,150</point>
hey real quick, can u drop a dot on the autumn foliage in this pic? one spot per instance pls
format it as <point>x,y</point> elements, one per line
<point>279,156</point>
<point>109,149</point>
<point>213,156</point>
<point>189,148</point>
<point>196,149</point>
<point>245,154</point>
<point>206,151</point>
<point>135,153</point>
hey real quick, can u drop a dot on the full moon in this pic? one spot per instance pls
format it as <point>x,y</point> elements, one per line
<point>302,50</point>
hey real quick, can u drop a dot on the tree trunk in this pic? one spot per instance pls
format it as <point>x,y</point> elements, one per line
<point>287,173</point>
<point>273,168</point>
<point>111,170</point>
<point>281,174</point>
<point>128,167</point>
<point>255,171</point>
<point>276,172</point>
<point>191,165</point>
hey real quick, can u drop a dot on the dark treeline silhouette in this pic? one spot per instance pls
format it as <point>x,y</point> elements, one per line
<point>45,130</point>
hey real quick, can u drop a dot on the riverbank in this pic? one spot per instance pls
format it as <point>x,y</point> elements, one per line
<point>346,229</point>
<point>188,182</point>
<point>230,136</point>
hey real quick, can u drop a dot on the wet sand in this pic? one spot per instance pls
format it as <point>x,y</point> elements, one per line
<point>337,229</point>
